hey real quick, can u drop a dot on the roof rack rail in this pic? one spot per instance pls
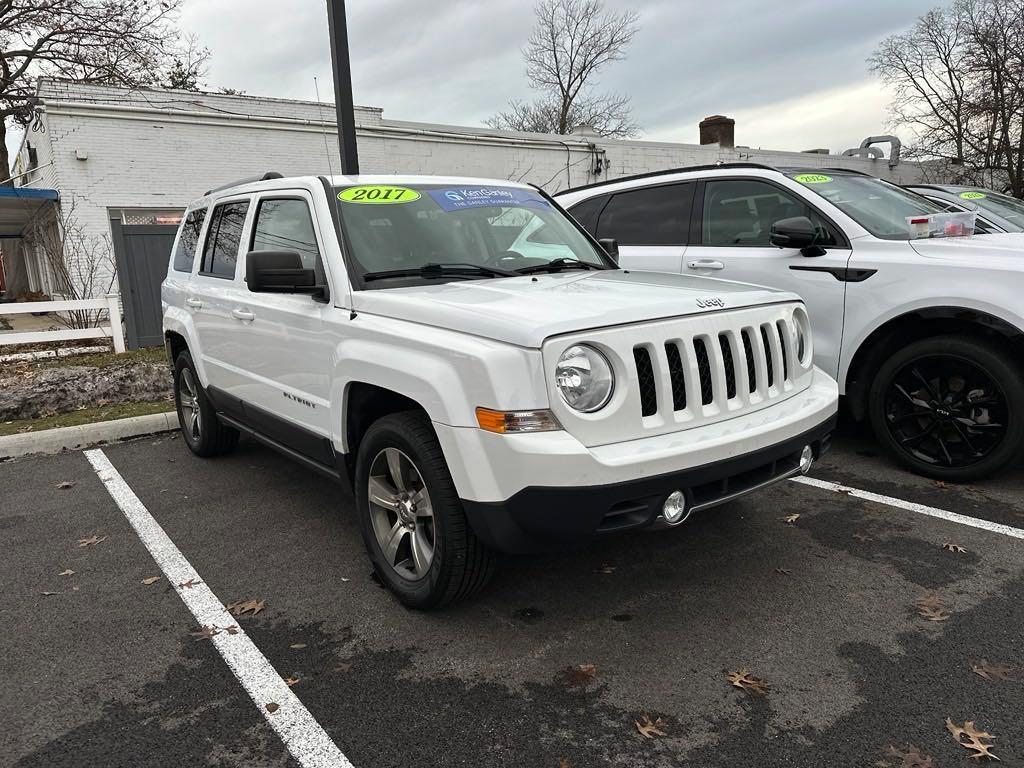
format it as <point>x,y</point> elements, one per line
<point>651,174</point>
<point>247,180</point>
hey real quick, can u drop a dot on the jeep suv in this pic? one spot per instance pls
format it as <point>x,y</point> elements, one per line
<point>923,335</point>
<point>478,367</point>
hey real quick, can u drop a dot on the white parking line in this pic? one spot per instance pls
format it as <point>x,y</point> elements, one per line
<point>303,736</point>
<point>911,506</point>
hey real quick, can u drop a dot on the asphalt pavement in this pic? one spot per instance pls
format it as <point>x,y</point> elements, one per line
<point>552,666</point>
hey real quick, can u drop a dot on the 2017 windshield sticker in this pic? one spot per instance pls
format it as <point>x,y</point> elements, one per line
<point>460,198</point>
<point>972,196</point>
<point>812,178</point>
<point>378,194</point>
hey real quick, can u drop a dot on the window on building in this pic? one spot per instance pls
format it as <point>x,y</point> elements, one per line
<point>740,212</point>
<point>586,213</point>
<point>286,225</point>
<point>185,251</point>
<point>220,253</point>
<point>652,216</point>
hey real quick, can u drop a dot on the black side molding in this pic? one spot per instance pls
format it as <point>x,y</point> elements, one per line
<point>843,274</point>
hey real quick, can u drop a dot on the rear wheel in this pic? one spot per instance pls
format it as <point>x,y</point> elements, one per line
<point>202,431</point>
<point>411,517</point>
<point>949,407</point>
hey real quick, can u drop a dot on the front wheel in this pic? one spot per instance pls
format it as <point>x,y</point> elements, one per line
<point>949,407</point>
<point>411,517</point>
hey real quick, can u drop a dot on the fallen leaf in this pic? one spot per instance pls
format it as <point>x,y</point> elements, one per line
<point>66,572</point>
<point>272,707</point>
<point>931,608</point>
<point>151,580</point>
<point>63,485</point>
<point>994,671</point>
<point>91,541</point>
<point>862,537</point>
<point>940,484</point>
<point>189,584</point>
<point>784,571</point>
<point>297,646</point>
<point>648,728</point>
<point>253,606</point>
<point>48,594</point>
<point>232,630</point>
<point>290,681</point>
<point>953,547</point>
<point>563,763</point>
<point>910,757</point>
<point>791,519</point>
<point>743,679</point>
<point>968,737</point>
<point>577,676</point>
<point>205,633</point>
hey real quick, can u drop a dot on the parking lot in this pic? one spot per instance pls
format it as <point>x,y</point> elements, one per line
<point>814,590</point>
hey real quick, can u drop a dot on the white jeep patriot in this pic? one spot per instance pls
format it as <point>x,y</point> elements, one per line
<point>478,367</point>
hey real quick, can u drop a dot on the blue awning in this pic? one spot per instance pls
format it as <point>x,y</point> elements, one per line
<point>19,205</point>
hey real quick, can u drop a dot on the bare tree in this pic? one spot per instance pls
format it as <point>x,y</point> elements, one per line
<point>80,265</point>
<point>190,66</point>
<point>571,41</point>
<point>128,42</point>
<point>956,76</point>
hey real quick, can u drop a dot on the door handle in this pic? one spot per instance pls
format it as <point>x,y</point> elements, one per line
<point>193,302</point>
<point>705,264</point>
<point>242,314</point>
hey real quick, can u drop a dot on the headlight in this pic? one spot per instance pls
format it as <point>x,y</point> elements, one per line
<point>584,378</point>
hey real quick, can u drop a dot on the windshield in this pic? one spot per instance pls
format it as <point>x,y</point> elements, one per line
<point>1009,208</point>
<point>394,228</point>
<point>878,206</point>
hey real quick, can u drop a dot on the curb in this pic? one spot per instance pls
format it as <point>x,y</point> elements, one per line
<point>71,438</point>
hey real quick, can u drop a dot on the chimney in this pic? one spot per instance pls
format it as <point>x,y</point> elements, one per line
<point>718,129</point>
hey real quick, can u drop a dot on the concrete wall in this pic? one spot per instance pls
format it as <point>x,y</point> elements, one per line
<point>114,148</point>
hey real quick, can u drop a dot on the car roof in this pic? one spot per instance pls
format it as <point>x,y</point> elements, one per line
<point>788,170</point>
<point>945,187</point>
<point>344,180</point>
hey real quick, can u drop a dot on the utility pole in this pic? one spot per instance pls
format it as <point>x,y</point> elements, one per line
<point>338,29</point>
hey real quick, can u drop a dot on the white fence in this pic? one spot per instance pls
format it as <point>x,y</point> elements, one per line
<point>113,331</point>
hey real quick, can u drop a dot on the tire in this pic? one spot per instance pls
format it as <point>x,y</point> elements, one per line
<point>202,431</point>
<point>949,407</point>
<point>435,559</point>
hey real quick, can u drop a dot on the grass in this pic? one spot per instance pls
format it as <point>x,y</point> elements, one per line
<point>86,416</point>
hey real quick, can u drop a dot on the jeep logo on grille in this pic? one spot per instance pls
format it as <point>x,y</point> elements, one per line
<point>711,301</point>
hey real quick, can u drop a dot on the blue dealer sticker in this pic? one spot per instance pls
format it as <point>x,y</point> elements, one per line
<point>461,198</point>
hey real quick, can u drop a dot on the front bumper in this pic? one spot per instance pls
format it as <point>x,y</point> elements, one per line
<point>543,491</point>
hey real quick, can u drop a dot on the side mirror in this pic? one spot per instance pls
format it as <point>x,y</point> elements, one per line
<point>278,272</point>
<point>798,232</point>
<point>611,247</point>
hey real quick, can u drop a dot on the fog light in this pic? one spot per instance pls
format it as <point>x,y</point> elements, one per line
<point>806,459</point>
<point>674,510</point>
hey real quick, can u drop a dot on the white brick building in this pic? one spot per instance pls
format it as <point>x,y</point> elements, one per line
<point>138,156</point>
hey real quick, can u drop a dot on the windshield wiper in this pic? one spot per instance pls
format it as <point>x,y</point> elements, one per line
<point>557,265</point>
<point>434,271</point>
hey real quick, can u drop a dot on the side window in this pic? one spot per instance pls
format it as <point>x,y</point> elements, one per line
<point>185,252</point>
<point>740,212</point>
<point>286,225</point>
<point>586,213</point>
<point>220,252</point>
<point>652,216</point>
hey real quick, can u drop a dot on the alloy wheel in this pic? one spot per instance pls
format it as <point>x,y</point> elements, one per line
<point>189,400</point>
<point>401,514</point>
<point>946,411</point>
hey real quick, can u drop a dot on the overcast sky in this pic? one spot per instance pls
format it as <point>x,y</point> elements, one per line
<point>792,74</point>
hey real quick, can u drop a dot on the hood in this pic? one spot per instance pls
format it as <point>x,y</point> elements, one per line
<point>1004,249</point>
<point>526,311</point>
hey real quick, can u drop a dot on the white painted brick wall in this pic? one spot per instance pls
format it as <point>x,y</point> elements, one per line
<point>161,149</point>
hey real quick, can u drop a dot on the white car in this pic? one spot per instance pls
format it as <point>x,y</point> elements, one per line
<point>481,397</point>
<point>1003,213</point>
<point>923,335</point>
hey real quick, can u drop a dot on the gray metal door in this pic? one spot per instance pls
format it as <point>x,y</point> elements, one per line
<point>142,252</point>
